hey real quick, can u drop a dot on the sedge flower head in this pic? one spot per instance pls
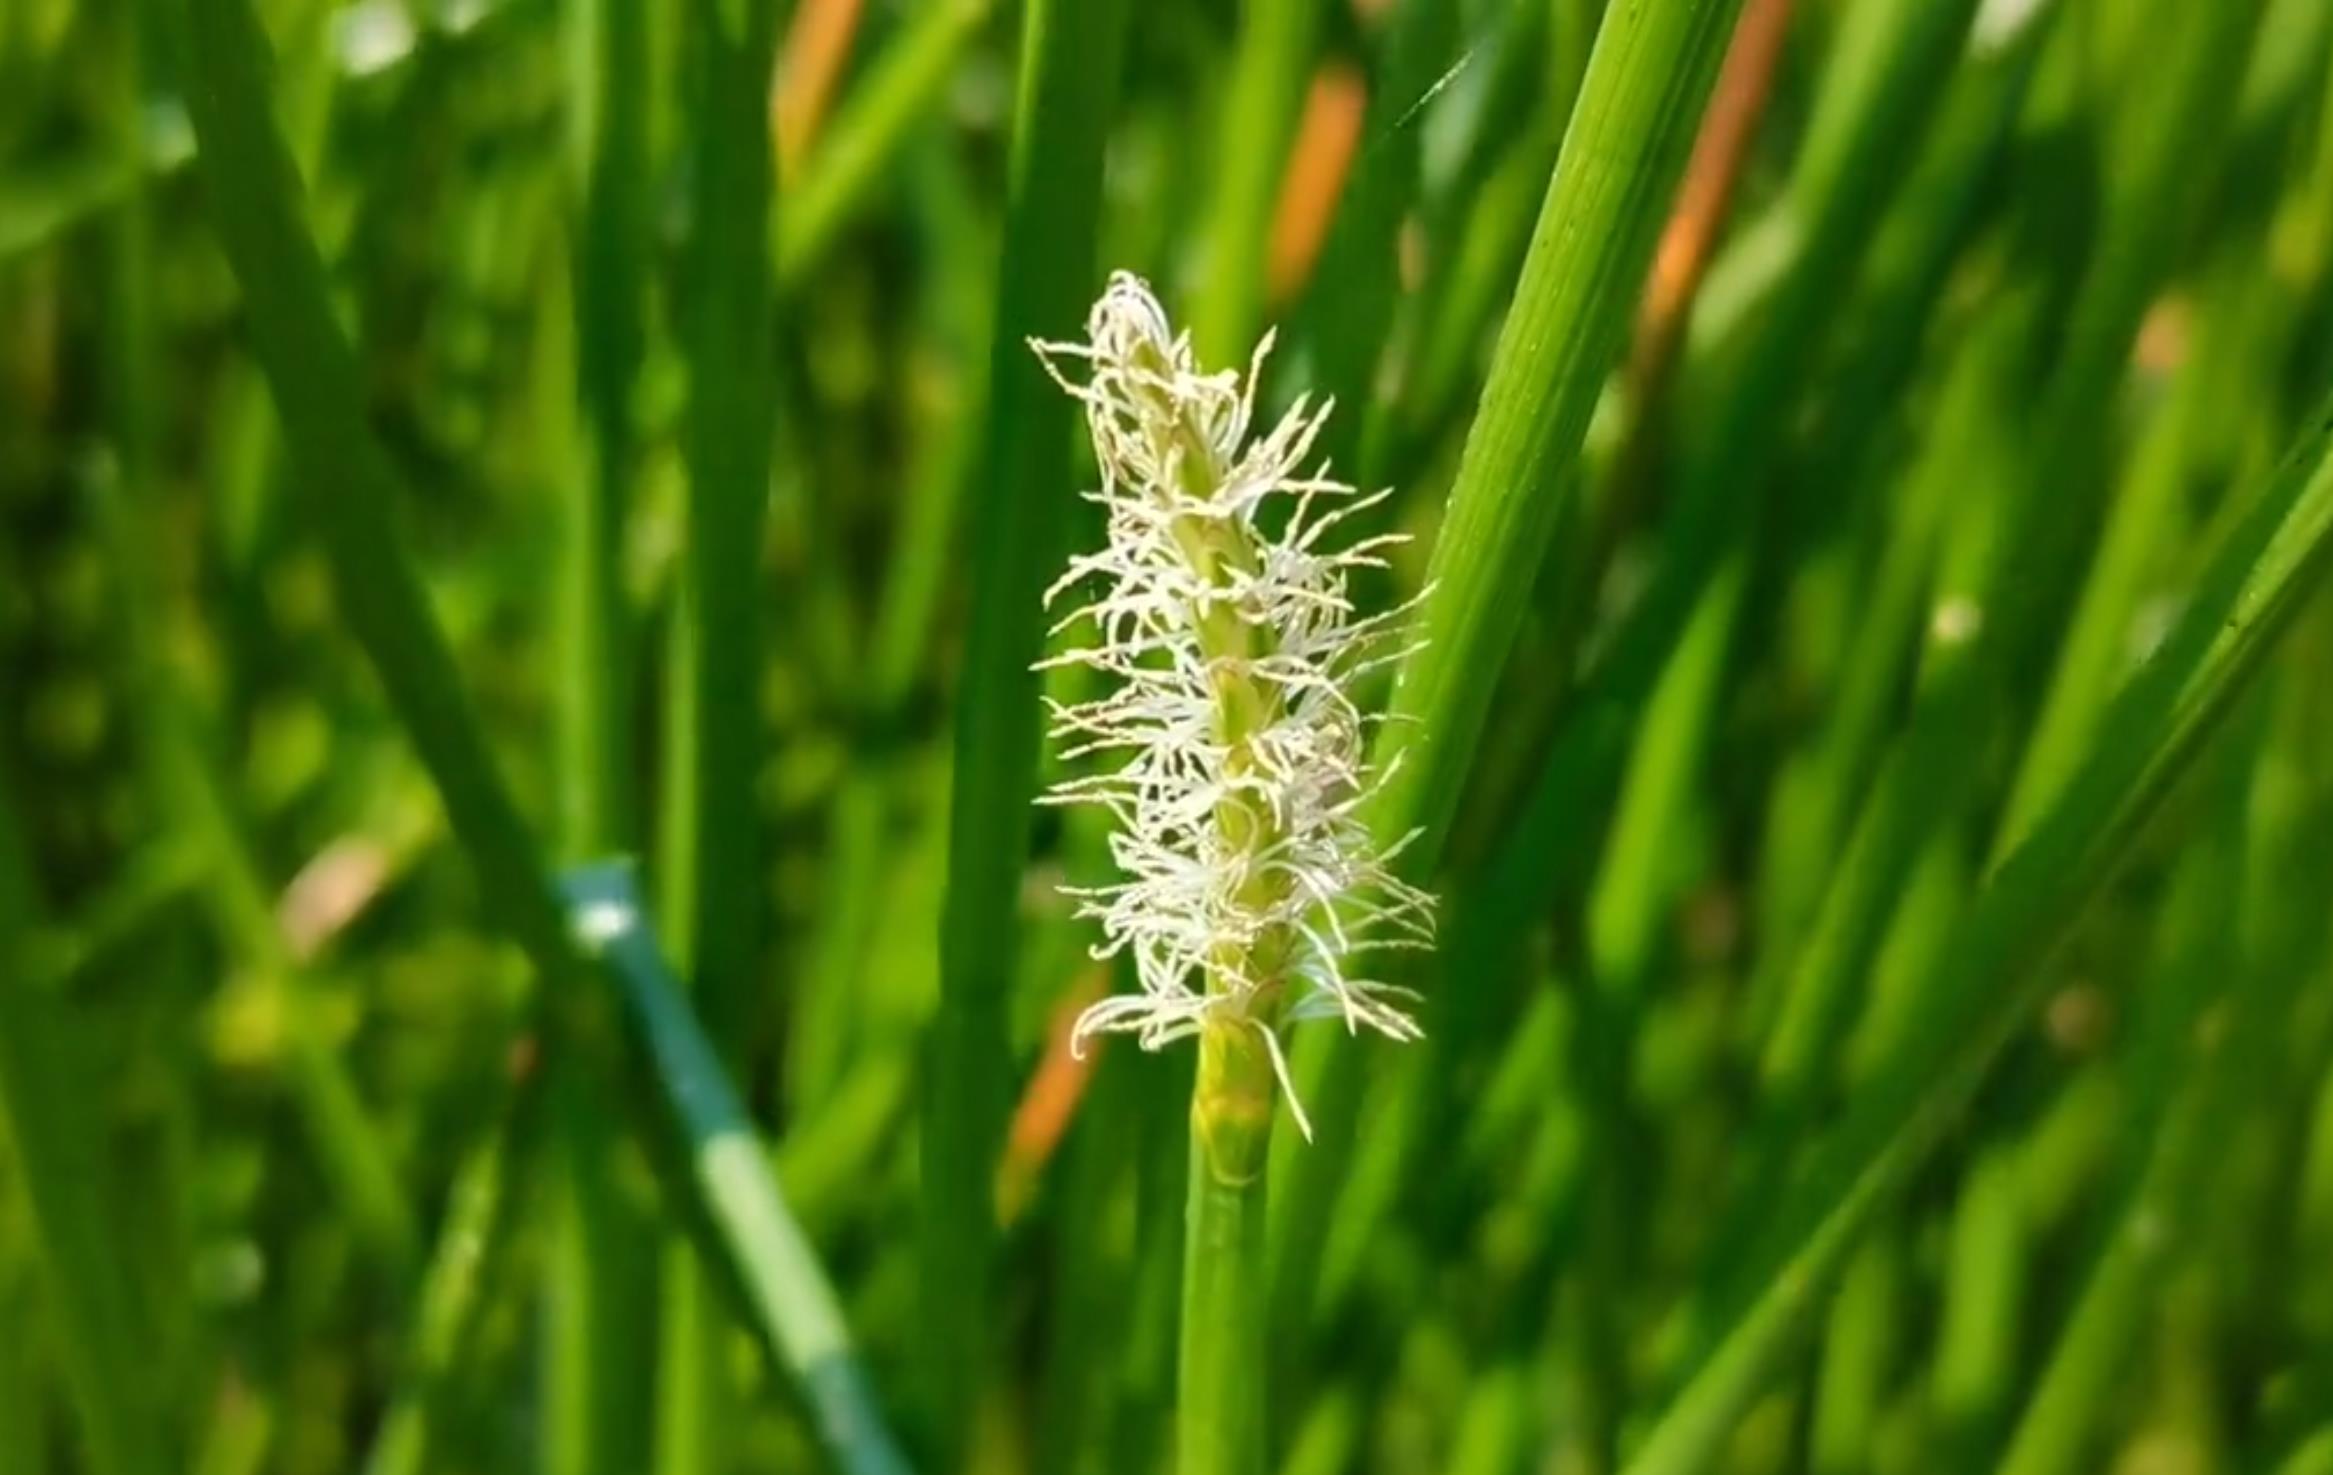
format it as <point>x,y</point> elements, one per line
<point>1231,753</point>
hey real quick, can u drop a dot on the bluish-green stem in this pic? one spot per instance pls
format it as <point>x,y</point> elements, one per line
<point>793,1304</point>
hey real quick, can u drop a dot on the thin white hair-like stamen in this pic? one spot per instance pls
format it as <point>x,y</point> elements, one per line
<point>1183,485</point>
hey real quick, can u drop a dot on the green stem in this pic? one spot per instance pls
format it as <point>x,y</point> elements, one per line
<point>732,385</point>
<point>1069,77</point>
<point>1092,1316</point>
<point>1909,258</point>
<point>2241,324</point>
<point>715,692</point>
<point>1222,1374</point>
<point>599,1307</point>
<point>1862,1343</point>
<point>691,1391</point>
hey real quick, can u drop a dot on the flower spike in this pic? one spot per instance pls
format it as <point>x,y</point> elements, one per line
<point>1251,884</point>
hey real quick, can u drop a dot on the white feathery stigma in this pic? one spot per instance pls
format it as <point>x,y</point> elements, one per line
<point>1235,758</point>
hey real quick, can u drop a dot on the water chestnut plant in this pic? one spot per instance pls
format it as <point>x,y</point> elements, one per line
<point>548,924</point>
<point>1219,618</point>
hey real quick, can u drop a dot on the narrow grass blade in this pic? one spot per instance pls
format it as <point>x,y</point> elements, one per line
<point>1351,307</point>
<point>1647,81</point>
<point>1983,1305</point>
<point>1018,518</point>
<point>901,88</point>
<point>52,1124</point>
<point>599,1304</point>
<point>182,780</point>
<point>609,306</point>
<point>1639,106</point>
<point>1091,1261</point>
<point>727,443</point>
<point>1867,833</point>
<point>1861,398</point>
<point>733,372</point>
<point>477,1220</point>
<point>918,573</point>
<point>1266,92</point>
<point>1862,1344</point>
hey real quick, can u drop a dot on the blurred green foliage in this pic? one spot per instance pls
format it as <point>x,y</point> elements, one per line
<point>1882,1019</point>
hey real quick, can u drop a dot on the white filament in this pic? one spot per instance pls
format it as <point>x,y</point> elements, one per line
<point>1181,483</point>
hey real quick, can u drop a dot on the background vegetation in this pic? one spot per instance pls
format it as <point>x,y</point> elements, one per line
<point>1870,462</point>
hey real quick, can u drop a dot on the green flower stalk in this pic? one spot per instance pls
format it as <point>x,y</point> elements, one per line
<point>1251,887</point>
